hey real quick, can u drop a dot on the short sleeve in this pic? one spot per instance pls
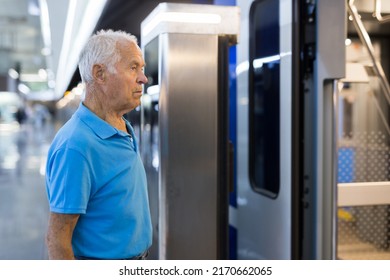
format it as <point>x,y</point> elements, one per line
<point>68,181</point>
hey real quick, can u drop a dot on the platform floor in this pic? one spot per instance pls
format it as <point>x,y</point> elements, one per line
<point>23,203</point>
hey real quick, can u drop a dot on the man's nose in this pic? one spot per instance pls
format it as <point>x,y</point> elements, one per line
<point>142,79</point>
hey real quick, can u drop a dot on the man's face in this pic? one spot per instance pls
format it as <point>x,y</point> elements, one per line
<point>125,87</point>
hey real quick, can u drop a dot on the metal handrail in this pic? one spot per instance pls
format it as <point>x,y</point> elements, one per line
<point>365,38</point>
<point>377,12</point>
<point>363,193</point>
<point>381,114</point>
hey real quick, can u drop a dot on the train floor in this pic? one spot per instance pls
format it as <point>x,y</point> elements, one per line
<point>23,202</point>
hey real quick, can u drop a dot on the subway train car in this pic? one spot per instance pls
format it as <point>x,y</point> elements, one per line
<point>317,183</point>
<point>264,129</point>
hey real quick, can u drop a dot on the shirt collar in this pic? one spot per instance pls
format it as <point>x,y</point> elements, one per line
<point>100,127</point>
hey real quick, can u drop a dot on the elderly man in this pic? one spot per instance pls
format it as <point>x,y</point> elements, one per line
<point>95,179</point>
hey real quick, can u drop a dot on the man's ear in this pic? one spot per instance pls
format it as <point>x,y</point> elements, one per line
<point>98,73</point>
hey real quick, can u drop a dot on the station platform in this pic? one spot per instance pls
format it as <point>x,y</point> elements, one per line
<point>24,208</point>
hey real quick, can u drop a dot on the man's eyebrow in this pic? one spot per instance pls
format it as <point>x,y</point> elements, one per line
<point>137,63</point>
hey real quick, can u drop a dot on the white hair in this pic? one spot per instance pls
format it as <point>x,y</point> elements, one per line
<point>101,48</point>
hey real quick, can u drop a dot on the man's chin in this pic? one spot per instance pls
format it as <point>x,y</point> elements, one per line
<point>135,106</point>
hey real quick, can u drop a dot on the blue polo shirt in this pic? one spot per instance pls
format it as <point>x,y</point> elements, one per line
<point>95,170</point>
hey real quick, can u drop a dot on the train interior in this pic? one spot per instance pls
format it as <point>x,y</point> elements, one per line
<point>363,137</point>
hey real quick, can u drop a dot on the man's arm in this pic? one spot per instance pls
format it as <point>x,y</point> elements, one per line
<point>59,235</point>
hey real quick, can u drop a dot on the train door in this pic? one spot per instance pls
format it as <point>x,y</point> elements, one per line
<point>184,134</point>
<point>286,187</point>
<point>363,102</point>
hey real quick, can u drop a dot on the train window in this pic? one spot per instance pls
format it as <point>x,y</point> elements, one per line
<point>264,96</point>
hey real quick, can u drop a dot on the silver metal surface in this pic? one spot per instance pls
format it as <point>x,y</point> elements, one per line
<point>191,19</point>
<point>378,12</point>
<point>329,65</point>
<point>336,110</point>
<point>188,146</point>
<point>189,125</point>
<point>264,224</point>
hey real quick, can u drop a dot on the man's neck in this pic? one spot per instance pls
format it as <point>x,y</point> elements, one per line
<point>101,109</point>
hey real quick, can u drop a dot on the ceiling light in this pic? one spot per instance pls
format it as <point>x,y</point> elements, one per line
<point>200,18</point>
<point>42,73</point>
<point>13,73</point>
<point>23,88</point>
<point>46,51</point>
